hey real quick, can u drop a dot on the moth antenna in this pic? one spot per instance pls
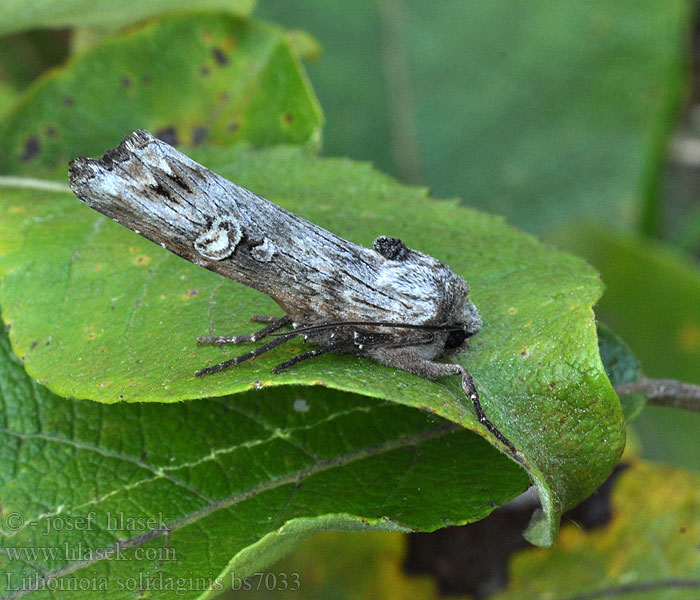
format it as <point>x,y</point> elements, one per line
<point>311,354</point>
<point>243,357</point>
<point>331,324</point>
<point>275,324</point>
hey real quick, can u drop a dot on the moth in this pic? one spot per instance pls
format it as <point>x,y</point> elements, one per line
<point>397,306</point>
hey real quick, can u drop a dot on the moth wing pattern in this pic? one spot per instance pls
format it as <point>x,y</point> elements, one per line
<point>155,190</point>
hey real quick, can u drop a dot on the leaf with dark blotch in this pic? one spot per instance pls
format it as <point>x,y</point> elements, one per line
<point>241,82</point>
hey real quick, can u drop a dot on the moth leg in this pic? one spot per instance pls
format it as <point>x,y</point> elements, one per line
<point>264,319</point>
<point>311,354</point>
<point>432,370</point>
<point>243,357</point>
<point>275,323</point>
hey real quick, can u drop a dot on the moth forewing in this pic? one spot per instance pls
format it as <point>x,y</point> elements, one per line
<point>398,306</point>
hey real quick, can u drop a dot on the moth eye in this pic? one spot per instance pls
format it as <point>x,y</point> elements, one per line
<point>455,339</point>
<point>390,248</point>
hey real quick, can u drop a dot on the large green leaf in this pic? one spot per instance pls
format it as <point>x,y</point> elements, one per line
<point>235,480</point>
<point>18,15</point>
<point>542,111</point>
<point>98,312</point>
<point>189,79</point>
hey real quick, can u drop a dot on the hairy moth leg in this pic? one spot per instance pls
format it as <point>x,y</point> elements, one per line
<point>275,323</point>
<point>243,357</point>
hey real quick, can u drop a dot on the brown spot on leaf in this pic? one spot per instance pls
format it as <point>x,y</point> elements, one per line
<point>168,135</point>
<point>220,57</point>
<point>288,116</point>
<point>31,148</point>
<point>50,131</point>
<point>199,134</point>
<point>233,126</point>
<point>147,79</point>
<point>34,345</point>
<point>204,71</point>
<point>689,337</point>
<point>141,260</point>
<point>126,82</point>
<point>68,101</point>
<point>230,43</point>
<point>193,292</point>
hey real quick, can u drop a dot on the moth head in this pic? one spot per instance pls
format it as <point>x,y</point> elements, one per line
<point>435,293</point>
<point>468,324</point>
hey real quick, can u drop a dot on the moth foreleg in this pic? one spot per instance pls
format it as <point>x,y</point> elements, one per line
<point>334,347</point>
<point>243,357</point>
<point>265,319</point>
<point>432,370</point>
<point>470,390</point>
<point>275,323</point>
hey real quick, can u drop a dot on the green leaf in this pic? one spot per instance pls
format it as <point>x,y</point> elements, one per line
<point>621,366</point>
<point>189,79</point>
<point>18,15</point>
<point>98,312</point>
<point>648,550</point>
<point>652,299</point>
<point>511,106</point>
<point>236,480</point>
<point>8,95</point>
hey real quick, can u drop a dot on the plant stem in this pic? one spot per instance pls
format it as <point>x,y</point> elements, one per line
<point>665,392</point>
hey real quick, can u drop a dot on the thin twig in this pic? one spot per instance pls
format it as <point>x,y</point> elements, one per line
<point>665,392</point>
